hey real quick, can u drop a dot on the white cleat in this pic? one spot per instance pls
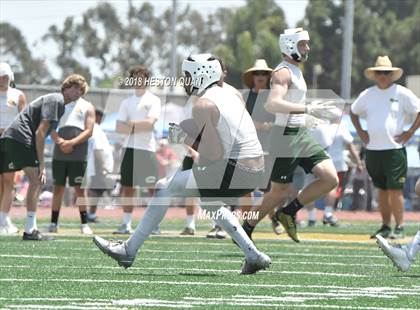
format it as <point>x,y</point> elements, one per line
<point>8,229</point>
<point>85,229</point>
<point>396,253</point>
<point>251,266</point>
<point>117,250</point>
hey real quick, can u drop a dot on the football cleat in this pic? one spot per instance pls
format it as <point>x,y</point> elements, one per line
<point>188,231</point>
<point>85,229</point>
<point>220,233</point>
<point>36,235</point>
<point>212,233</point>
<point>289,224</point>
<point>123,230</point>
<point>398,233</point>
<point>53,228</point>
<point>251,266</point>
<point>276,226</point>
<point>117,250</point>
<point>8,228</point>
<point>330,220</point>
<point>384,232</point>
<point>396,253</point>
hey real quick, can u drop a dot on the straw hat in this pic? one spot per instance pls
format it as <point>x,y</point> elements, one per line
<point>260,65</point>
<point>383,63</point>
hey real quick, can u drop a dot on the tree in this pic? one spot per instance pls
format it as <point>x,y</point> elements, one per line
<point>252,32</point>
<point>14,50</point>
<point>380,28</point>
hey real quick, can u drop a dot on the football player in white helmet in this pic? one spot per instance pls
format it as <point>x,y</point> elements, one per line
<point>230,164</point>
<point>291,144</point>
<point>12,101</point>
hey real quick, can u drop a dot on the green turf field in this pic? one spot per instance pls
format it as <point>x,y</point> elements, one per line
<point>194,272</point>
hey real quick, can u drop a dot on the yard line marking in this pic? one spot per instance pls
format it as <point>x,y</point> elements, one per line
<point>209,270</point>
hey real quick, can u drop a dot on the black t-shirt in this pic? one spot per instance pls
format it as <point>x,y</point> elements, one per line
<point>49,107</point>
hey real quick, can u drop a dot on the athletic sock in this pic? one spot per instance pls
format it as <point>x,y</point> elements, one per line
<point>3,217</point>
<point>54,217</point>
<point>414,246</point>
<point>293,207</point>
<point>152,217</point>
<point>248,228</point>
<point>231,225</point>
<point>127,218</point>
<point>83,217</point>
<point>191,222</point>
<point>328,211</point>
<point>30,224</point>
<point>312,215</point>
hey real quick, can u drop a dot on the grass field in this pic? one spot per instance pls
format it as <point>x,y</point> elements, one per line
<point>332,268</point>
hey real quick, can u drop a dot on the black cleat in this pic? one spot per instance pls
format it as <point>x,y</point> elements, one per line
<point>36,235</point>
<point>384,232</point>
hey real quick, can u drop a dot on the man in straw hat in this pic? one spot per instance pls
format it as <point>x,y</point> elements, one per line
<point>291,144</point>
<point>385,107</point>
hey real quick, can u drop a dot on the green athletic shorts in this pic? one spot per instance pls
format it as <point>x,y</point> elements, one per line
<point>73,170</point>
<point>388,168</point>
<point>290,148</point>
<point>139,168</point>
<point>15,156</point>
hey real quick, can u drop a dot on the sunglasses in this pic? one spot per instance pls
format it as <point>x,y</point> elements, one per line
<point>260,73</point>
<point>383,72</point>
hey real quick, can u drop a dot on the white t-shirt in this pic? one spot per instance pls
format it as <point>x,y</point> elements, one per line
<point>99,142</point>
<point>9,103</point>
<point>137,109</point>
<point>337,149</point>
<point>386,111</point>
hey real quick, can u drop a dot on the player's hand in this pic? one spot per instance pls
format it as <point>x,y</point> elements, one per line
<point>359,167</point>
<point>42,176</point>
<point>364,136</point>
<point>176,135</point>
<point>325,110</point>
<point>312,122</point>
<point>66,147</point>
<point>403,138</point>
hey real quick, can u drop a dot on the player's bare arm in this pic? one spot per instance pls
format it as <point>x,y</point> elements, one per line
<point>206,115</point>
<point>40,135</point>
<point>363,134</point>
<point>144,125</point>
<point>21,102</point>
<point>281,80</point>
<point>406,135</point>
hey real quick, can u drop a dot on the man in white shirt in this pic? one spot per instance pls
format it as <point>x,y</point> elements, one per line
<point>386,107</point>
<point>12,101</point>
<point>136,119</point>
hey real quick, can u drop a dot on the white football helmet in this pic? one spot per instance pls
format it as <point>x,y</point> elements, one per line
<point>204,70</point>
<point>289,43</point>
<point>5,69</point>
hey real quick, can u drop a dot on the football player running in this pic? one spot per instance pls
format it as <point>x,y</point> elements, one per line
<point>230,164</point>
<point>291,144</point>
